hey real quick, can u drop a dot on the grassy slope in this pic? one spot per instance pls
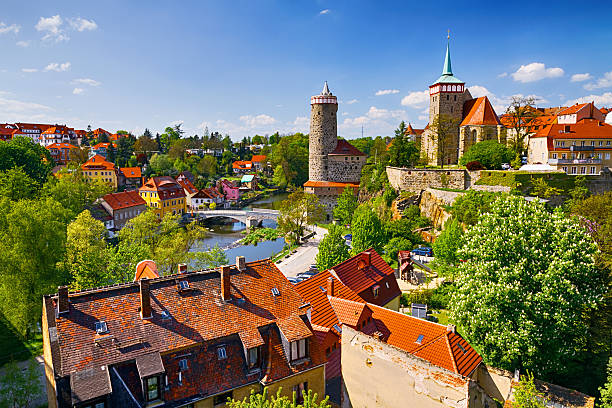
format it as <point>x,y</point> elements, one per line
<point>14,347</point>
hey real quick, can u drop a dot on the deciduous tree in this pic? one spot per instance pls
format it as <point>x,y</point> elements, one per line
<point>332,249</point>
<point>296,212</point>
<point>367,230</point>
<point>279,401</point>
<point>519,114</point>
<point>20,387</point>
<point>526,283</point>
<point>346,206</point>
<point>490,153</point>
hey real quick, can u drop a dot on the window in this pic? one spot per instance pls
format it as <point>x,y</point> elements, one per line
<point>607,156</point>
<point>221,353</point>
<point>183,366</point>
<point>554,156</point>
<point>299,349</point>
<point>299,389</point>
<point>221,399</point>
<point>101,327</point>
<point>592,143</point>
<point>253,355</point>
<point>419,339</point>
<point>582,170</point>
<point>152,388</point>
<point>573,170</point>
<point>592,170</point>
<point>376,290</point>
<point>601,142</point>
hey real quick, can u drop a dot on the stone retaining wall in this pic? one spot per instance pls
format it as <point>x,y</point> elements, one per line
<point>406,179</point>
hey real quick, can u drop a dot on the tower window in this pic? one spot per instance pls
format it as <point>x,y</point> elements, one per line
<point>455,97</point>
<point>447,97</point>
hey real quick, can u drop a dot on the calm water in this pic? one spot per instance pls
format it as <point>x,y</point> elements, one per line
<point>226,235</point>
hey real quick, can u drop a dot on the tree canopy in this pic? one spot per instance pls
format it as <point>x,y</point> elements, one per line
<point>346,206</point>
<point>526,282</point>
<point>367,230</point>
<point>296,212</point>
<point>332,249</point>
<point>490,153</point>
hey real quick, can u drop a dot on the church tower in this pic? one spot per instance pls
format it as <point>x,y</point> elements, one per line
<point>323,136</point>
<point>446,97</point>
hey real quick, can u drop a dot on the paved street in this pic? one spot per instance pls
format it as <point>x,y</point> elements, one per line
<point>304,256</point>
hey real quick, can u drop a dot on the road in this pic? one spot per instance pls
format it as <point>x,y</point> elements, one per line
<point>304,256</point>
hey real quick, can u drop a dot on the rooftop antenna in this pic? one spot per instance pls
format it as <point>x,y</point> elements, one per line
<point>362,131</point>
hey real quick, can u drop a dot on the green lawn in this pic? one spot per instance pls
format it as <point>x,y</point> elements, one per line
<point>14,347</point>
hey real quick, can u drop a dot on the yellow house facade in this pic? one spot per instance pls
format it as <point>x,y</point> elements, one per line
<point>164,195</point>
<point>98,168</point>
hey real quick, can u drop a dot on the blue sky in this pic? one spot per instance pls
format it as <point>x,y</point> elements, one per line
<point>246,67</point>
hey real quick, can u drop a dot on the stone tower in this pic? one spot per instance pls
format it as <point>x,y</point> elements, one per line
<point>446,97</point>
<point>323,136</point>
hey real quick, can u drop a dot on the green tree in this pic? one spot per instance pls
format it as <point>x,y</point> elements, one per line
<point>34,159</point>
<point>73,192</point>
<point>210,259</point>
<point>490,153</point>
<point>280,178</point>
<point>445,248</point>
<point>170,135</point>
<point>111,154</point>
<point>15,184</point>
<point>262,400</point>
<point>393,247</point>
<point>145,143</point>
<point>207,166</point>
<point>468,207</point>
<point>332,249</point>
<point>403,152</point>
<point>580,190</point>
<point>346,206</point>
<point>160,164</point>
<point>527,279</point>
<point>542,189</point>
<point>299,210</point>
<point>367,230</point>
<point>86,252</point>
<point>20,387</point>
<point>32,242</point>
<point>519,114</point>
<point>526,395</point>
<point>606,391</point>
<point>125,149</point>
<point>291,152</point>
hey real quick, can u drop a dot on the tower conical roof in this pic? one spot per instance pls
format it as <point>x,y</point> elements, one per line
<point>325,90</point>
<point>447,71</point>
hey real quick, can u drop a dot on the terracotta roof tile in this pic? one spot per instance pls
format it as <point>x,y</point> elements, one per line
<point>97,162</point>
<point>573,109</point>
<point>259,158</point>
<point>124,199</point>
<point>131,172</point>
<point>584,129</point>
<point>311,183</point>
<point>187,186</point>
<point>479,112</point>
<point>348,312</point>
<point>344,148</point>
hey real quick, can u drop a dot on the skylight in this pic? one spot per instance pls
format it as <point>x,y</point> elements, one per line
<point>419,339</point>
<point>275,291</point>
<point>101,327</point>
<point>461,347</point>
<point>338,328</point>
<point>165,314</point>
<point>183,285</point>
<point>322,289</point>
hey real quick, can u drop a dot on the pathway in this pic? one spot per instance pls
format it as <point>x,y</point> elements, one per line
<point>304,255</point>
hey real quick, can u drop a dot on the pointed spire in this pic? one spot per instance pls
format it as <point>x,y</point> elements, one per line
<point>447,70</point>
<point>325,90</point>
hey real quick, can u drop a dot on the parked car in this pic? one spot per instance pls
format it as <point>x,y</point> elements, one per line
<point>505,166</point>
<point>348,237</point>
<point>307,274</point>
<point>423,251</point>
<point>524,160</point>
<point>293,279</point>
<point>314,268</point>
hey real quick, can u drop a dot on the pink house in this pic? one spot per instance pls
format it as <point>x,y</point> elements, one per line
<point>231,191</point>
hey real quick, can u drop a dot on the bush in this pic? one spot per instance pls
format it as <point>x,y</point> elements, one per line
<point>489,153</point>
<point>474,165</point>
<point>434,298</point>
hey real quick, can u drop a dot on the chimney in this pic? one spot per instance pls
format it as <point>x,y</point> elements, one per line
<point>367,257</point>
<point>240,263</point>
<point>451,328</point>
<point>63,305</point>
<point>145,299</point>
<point>182,268</point>
<point>330,286</point>
<point>225,282</point>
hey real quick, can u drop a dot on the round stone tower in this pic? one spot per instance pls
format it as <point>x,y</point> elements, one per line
<point>323,133</point>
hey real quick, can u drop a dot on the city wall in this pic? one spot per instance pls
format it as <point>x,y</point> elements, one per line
<point>407,179</point>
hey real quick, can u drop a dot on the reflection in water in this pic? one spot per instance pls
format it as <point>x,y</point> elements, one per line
<point>228,233</point>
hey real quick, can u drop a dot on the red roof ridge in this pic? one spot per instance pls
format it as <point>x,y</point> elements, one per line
<point>450,350</point>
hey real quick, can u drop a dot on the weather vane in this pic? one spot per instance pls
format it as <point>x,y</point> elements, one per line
<point>448,35</point>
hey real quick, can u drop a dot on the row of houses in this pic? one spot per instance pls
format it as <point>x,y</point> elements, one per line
<point>48,134</point>
<point>195,339</point>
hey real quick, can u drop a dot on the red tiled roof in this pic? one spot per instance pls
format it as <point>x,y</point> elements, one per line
<point>361,275</point>
<point>61,146</point>
<point>348,311</point>
<point>479,112</point>
<point>131,172</point>
<point>311,183</point>
<point>573,109</point>
<point>243,165</point>
<point>104,145</point>
<point>198,318</point>
<point>97,162</point>
<point>344,148</point>
<point>165,186</point>
<point>584,129</point>
<point>187,185</point>
<point>124,199</point>
<point>258,158</point>
<point>439,346</point>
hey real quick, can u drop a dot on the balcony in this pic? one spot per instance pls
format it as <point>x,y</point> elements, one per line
<point>553,162</point>
<point>575,148</point>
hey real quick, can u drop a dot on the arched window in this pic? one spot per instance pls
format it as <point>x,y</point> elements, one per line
<point>474,136</point>
<point>454,88</point>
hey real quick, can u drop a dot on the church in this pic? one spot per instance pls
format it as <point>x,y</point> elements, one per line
<point>333,164</point>
<point>456,119</point>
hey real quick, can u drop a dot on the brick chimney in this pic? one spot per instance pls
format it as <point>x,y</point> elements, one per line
<point>240,263</point>
<point>367,258</point>
<point>330,286</point>
<point>63,305</point>
<point>145,299</point>
<point>182,268</point>
<point>225,282</point>
<point>451,328</point>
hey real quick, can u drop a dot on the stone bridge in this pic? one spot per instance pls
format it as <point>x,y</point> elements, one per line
<point>250,218</point>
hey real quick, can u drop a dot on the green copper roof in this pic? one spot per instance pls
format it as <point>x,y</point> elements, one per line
<point>447,71</point>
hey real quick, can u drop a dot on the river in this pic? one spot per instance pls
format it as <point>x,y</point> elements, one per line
<point>226,235</point>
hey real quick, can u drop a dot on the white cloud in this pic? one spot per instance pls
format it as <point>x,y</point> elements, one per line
<point>23,44</point>
<point>81,24</point>
<point>301,121</point>
<point>581,77</point>
<point>499,103</point>
<point>13,28</point>
<point>604,99</point>
<point>416,99</point>
<point>387,92</point>
<point>78,91</point>
<point>503,75</point>
<point>258,120</point>
<point>380,120</point>
<point>352,101</point>
<point>57,67</point>
<point>326,11</point>
<point>87,81</point>
<point>29,70</point>
<point>535,72</point>
<point>20,110</point>
<point>52,27</point>
<point>604,82</point>
<point>423,117</point>
<point>477,91</point>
